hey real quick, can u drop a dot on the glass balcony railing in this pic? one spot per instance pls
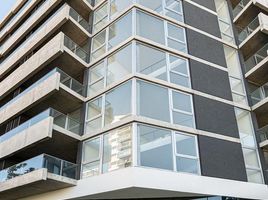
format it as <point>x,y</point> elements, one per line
<point>263,132</point>
<point>59,119</point>
<point>259,56</point>
<point>240,7</point>
<point>79,51</point>
<point>259,94</point>
<point>248,30</point>
<point>64,79</point>
<point>52,164</point>
<point>79,19</point>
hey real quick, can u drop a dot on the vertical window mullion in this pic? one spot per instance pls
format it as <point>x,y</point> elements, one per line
<point>101,150</point>
<point>173,140</point>
<point>103,110</point>
<point>134,97</point>
<point>170,96</point>
<point>135,143</point>
<point>166,33</point>
<point>168,67</point>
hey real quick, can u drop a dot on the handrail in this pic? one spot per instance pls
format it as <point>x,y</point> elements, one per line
<point>239,7</point>
<point>250,28</point>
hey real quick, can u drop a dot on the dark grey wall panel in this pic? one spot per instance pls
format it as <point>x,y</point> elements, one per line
<point>210,80</point>
<point>215,116</point>
<point>221,159</point>
<point>201,19</point>
<point>210,4</point>
<point>206,48</point>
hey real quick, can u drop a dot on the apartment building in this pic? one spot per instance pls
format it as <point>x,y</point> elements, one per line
<point>134,99</point>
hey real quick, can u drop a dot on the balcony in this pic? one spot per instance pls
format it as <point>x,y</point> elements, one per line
<point>259,99</point>
<point>17,18</point>
<point>49,129</point>
<point>263,133</point>
<point>60,51</point>
<point>246,10</point>
<point>34,19</point>
<point>40,174</point>
<point>254,35</point>
<point>256,66</point>
<point>54,87</point>
<point>63,20</point>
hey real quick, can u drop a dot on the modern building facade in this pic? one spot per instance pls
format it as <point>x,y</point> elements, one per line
<point>134,99</point>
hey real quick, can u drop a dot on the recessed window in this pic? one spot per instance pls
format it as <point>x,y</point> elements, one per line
<point>96,78</point>
<point>100,17</point>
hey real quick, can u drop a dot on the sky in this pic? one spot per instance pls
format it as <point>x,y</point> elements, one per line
<point>5,6</point>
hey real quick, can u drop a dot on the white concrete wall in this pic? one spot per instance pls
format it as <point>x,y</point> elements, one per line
<point>40,58</point>
<point>35,94</point>
<point>155,183</point>
<point>263,19</point>
<point>34,133</point>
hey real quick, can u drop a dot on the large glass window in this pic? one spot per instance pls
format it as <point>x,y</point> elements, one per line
<point>112,36</point>
<point>118,5</point>
<point>148,24</point>
<point>112,69</point>
<point>117,104</point>
<point>170,8</point>
<point>155,147</point>
<point>117,147</point>
<point>249,146</point>
<point>182,110</point>
<point>94,115</point>
<point>224,20</point>
<point>91,158</point>
<point>176,38</point>
<point>155,150</point>
<point>151,61</point>
<point>100,17</point>
<point>153,101</point>
<point>109,108</point>
<point>120,31</point>
<point>235,75</point>
<point>186,153</point>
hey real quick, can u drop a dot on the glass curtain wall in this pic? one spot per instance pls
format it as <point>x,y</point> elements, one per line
<point>138,58</point>
<point>139,23</point>
<point>155,148</point>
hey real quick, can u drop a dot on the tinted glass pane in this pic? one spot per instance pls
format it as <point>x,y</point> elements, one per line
<point>155,5</point>
<point>182,101</point>
<point>91,169</point>
<point>120,31</point>
<point>118,6</point>
<point>151,62</point>
<point>117,149</point>
<point>251,157</point>
<point>94,108</point>
<point>186,145</point>
<point>153,101</point>
<point>187,165</point>
<point>119,65</point>
<point>91,150</point>
<point>118,104</point>
<point>147,24</point>
<point>183,119</point>
<point>155,147</point>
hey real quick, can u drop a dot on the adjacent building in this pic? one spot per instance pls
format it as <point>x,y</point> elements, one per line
<point>134,99</point>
